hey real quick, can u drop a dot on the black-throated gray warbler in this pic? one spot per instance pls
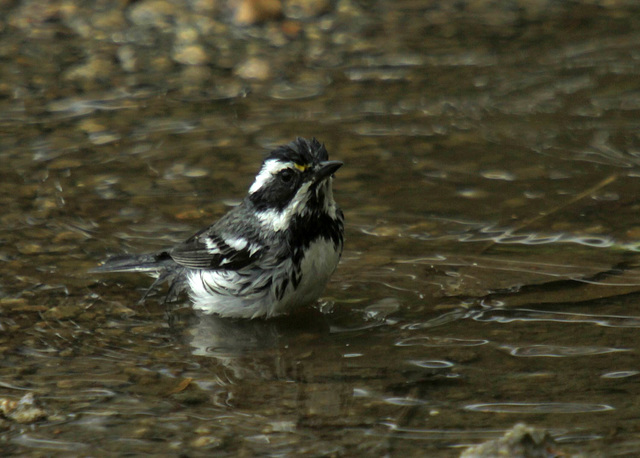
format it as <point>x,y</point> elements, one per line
<point>273,252</point>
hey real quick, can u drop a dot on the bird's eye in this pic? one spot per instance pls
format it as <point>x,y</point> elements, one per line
<point>286,176</point>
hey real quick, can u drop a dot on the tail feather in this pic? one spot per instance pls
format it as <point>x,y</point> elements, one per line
<point>159,265</point>
<point>135,263</point>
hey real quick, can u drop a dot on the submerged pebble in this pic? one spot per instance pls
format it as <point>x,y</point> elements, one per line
<point>24,411</point>
<point>521,441</point>
<point>190,54</point>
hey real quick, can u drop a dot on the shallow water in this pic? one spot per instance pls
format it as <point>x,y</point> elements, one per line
<point>490,190</point>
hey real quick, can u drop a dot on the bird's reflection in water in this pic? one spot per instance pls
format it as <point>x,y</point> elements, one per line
<point>255,348</point>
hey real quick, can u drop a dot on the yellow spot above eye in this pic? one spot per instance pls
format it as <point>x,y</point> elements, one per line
<point>301,167</point>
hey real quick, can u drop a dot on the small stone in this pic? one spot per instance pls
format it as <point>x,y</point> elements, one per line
<point>67,352</point>
<point>62,312</point>
<point>153,13</point>
<point>103,138</point>
<point>12,302</point>
<point>127,57</point>
<point>519,441</point>
<point>306,9</point>
<point>29,247</point>
<point>160,64</point>
<point>633,233</point>
<point>186,34</point>
<point>249,12</point>
<point>28,309</point>
<point>90,125</point>
<point>121,310</point>
<point>109,20</point>
<point>254,68</point>
<point>194,214</point>
<point>144,433</point>
<point>291,29</point>
<point>147,330</point>
<point>202,430</point>
<point>192,54</point>
<point>191,397</point>
<point>96,67</point>
<point>69,236</point>
<point>70,384</point>
<point>206,441</point>
<point>194,76</point>
<point>23,411</point>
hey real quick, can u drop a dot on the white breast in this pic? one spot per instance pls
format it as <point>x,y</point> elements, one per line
<point>319,262</point>
<point>247,294</point>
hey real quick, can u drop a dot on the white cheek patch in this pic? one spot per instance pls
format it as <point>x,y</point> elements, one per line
<point>273,219</point>
<point>278,220</point>
<point>267,172</point>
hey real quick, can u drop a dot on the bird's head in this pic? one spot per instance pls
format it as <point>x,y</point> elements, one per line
<point>295,180</point>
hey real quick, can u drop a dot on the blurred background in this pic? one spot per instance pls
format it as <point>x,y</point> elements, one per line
<point>490,188</point>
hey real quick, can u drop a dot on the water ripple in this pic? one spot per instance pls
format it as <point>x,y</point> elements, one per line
<point>445,318</point>
<point>80,106</point>
<point>558,351</point>
<point>513,315</point>
<point>620,374</point>
<point>537,407</point>
<point>286,90</point>
<point>508,236</point>
<point>475,232</point>
<point>498,175</point>
<point>382,308</point>
<point>404,401</point>
<point>432,364</point>
<point>440,342</point>
<point>48,444</point>
<point>440,434</point>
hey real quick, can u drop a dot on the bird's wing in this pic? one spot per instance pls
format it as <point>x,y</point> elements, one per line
<point>208,250</point>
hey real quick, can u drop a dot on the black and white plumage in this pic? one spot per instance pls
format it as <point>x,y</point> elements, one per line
<point>273,252</point>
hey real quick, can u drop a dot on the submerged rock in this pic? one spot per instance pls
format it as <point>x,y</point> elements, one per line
<point>23,411</point>
<point>521,441</point>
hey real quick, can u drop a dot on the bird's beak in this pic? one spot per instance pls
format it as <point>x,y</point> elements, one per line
<point>326,169</point>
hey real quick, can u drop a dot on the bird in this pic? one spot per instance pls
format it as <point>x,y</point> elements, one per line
<point>272,253</point>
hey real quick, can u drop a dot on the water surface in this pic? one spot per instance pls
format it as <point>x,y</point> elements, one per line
<point>490,190</point>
